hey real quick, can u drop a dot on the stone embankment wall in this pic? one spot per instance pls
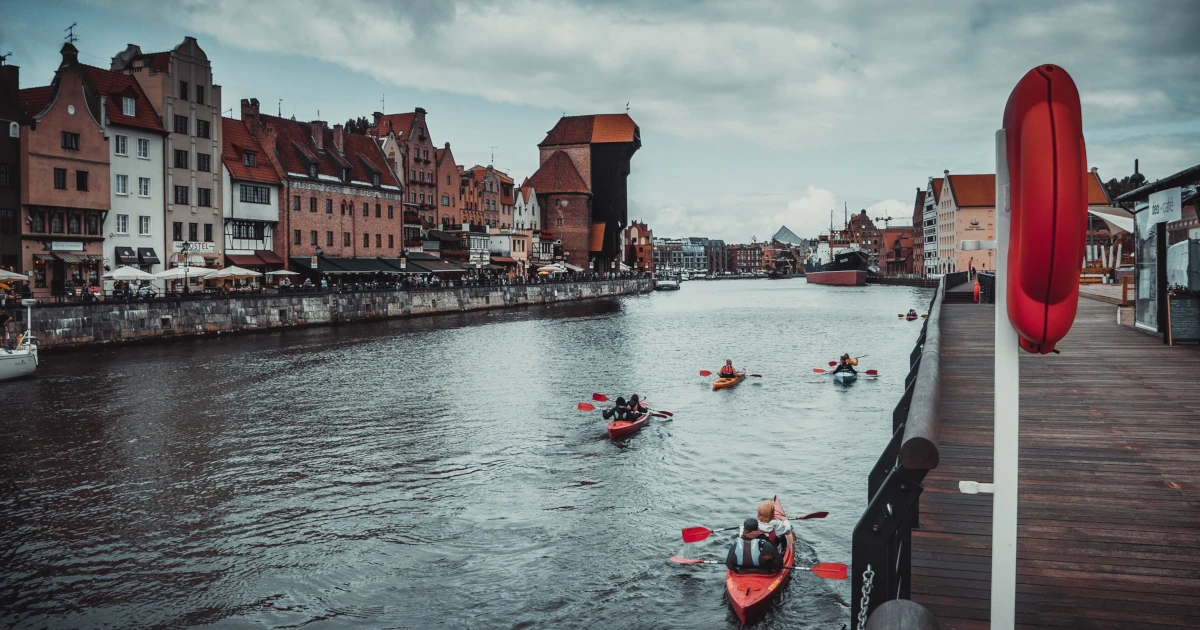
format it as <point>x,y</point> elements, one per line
<point>77,325</point>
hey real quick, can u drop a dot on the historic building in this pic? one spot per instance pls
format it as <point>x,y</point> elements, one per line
<point>581,185</point>
<point>339,198</point>
<point>526,212</point>
<point>488,180</point>
<point>251,207</point>
<point>639,247</point>
<point>179,83</point>
<point>449,188</point>
<point>969,203</point>
<point>65,181</point>
<point>12,116</point>
<point>930,218</point>
<point>417,160</point>
<point>917,265</point>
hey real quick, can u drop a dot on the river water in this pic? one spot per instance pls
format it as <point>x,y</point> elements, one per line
<point>435,472</point>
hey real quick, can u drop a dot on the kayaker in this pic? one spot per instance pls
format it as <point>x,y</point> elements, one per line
<point>776,530</point>
<point>636,407</point>
<point>752,552</point>
<point>727,370</point>
<point>621,410</point>
<point>912,313</point>
<point>846,365</point>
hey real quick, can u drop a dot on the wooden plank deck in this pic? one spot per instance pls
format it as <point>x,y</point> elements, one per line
<point>1109,516</point>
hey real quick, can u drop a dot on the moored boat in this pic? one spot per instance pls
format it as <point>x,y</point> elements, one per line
<point>666,285</point>
<point>749,593</point>
<point>848,268</point>
<point>723,383</point>
<point>24,359</point>
<point>618,429</point>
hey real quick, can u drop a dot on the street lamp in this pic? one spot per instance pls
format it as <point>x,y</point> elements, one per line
<point>187,247</point>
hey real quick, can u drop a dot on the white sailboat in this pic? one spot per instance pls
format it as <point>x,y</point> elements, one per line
<point>23,360</point>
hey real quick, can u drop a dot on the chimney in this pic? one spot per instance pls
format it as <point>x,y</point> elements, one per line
<point>1135,166</point>
<point>947,172</point>
<point>1095,170</point>
<point>337,139</point>
<point>420,111</point>
<point>318,134</point>
<point>70,55</point>
<point>250,110</point>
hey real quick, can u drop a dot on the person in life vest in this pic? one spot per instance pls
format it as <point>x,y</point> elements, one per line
<point>752,552</point>
<point>636,406</point>
<point>776,530</point>
<point>912,312</point>
<point>846,365</point>
<point>727,370</point>
<point>620,411</point>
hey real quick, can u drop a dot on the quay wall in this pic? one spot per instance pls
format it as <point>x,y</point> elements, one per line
<point>59,326</point>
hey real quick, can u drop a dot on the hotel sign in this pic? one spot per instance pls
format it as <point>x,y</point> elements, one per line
<point>1166,206</point>
<point>198,247</point>
<point>66,246</point>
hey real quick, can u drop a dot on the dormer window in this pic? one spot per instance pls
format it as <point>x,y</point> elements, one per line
<point>345,174</point>
<point>312,171</point>
<point>249,158</point>
<point>128,106</point>
<point>374,179</point>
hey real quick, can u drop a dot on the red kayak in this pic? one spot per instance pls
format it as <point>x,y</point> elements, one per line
<point>749,593</point>
<point>618,429</point>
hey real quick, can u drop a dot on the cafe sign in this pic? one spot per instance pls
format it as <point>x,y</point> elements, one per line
<point>199,247</point>
<point>1166,206</point>
<point>66,246</point>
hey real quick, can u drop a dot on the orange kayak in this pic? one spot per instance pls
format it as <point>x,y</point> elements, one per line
<point>618,429</point>
<point>750,593</point>
<point>722,383</point>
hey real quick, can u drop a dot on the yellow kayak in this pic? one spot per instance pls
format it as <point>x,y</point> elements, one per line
<point>722,383</point>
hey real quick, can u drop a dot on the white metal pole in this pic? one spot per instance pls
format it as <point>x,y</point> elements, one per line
<point>1007,405</point>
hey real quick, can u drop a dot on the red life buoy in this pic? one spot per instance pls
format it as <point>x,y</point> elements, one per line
<point>976,291</point>
<point>1047,167</point>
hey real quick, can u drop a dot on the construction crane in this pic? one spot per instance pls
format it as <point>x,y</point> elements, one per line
<point>887,221</point>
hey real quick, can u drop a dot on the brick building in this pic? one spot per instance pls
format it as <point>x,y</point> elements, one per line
<point>495,202</point>
<point>639,247</point>
<point>861,231</point>
<point>65,181</point>
<point>918,237</point>
<point>417,155</point>
<point>253,192</point>
<point>470,198</point>
<point>12,116</point>
<point>745,258</point>
<point>449,187</point>
<point>339,201</point>
<point>566,206</point>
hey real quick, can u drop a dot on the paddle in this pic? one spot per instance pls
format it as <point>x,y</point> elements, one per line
<point>654,412</point>
<point>705,373</point>
<point>872,372</point>
<point>826,570</point>
<point>696,534</point>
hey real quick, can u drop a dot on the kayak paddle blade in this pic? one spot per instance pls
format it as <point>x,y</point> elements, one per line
<point>830,571</point>
<point>665,413</point>
<point>705,373</point>
<point>696,534</point>
<point>813,515</point>
<point>755,375</point>
<point>679,560</point>
<point>599,398</point>
<point>819,370</point>
<point>872,372</point>
<point>587,406</point>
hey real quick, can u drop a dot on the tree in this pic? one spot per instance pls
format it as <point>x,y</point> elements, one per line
<point>359,125</point>
<point>1116,187</point>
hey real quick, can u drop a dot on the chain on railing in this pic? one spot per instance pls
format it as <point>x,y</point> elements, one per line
<point>868,582</point>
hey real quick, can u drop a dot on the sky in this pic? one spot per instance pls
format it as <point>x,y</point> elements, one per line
<point>752,114</point>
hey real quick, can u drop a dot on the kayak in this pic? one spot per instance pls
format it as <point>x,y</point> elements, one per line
<point>722,383</point>
<point>845,378</point>
<point>749,593</point>
<point>618,429</point>
<point>910,317</point>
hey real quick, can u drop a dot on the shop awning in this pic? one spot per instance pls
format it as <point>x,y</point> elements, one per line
<point>504,260</point>
<point>244,260</point>
<point>126,256</point>
<point>304,264</point>
<point>71,259</point>
<point>353,265</point>
<point>268,256</point>
<point>148,256</point>
<point>43,257</point>
<point>437,266</point>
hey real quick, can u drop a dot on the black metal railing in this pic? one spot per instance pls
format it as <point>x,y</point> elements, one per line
<point>987,287</point>
<point>882,539</point>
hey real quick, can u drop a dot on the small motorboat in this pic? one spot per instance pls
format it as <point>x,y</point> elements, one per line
<point>618,429</point>
<point>749,593</point>
<point>666,285</point>
<point>723,383</point>
<point>24,359</point>
<point>845,378</point>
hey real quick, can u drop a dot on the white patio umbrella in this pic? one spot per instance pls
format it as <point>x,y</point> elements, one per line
<point>282,272</point>
<point>179,273</point>
<point>233,273</point>
<point>128,274</point>
<point>551,269</point>
<point>11,276</point>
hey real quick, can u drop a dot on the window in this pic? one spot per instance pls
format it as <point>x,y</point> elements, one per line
<point>295,237</point>
<point>181,194</point>
<point>374,179</point>
<point>181,124</point>
<point>255,194</point>
<point>74,226</point>
<point>122,224</point>
<point>312,204</point>
<point>412,197</point>
<point>121,187</point>
<point>391,241</point>
<point>208,232</point>
<point>70,140</point>
<point>143,186</point>
<point>200,95</point>
<point>193,232</point>
<point>56,223</point>
<point>366,210</point>
<point>202,128</point>
<point>378,211</point>
<point>422,197</point>
<point>343,208</point>
<point>181,158</point>
<point>5,176</point>
<point>121,145</point>
<point>559,224</point>
<point>412,174</point>
<point>143,225</point>
<point>345,174</point>
<point>329,239</point>
<point>183,90</point>
<point>447,180</point>
<point>312,237</point>
<point>81,180</point>
<point>143,148</point>
<point>445,200</point>
<point>37,221</point>
<point>204,162</point>
<point>366,241</point>
<point>391,213</point>
<point>378,240</point>
<point>204,197</point>
<point>296,203</point>
<point>345,239</point>
<point>249,158</point>
<point>8,222</point>
<point>328,206</point>
<point>177,231</point>
<point>312,171</point>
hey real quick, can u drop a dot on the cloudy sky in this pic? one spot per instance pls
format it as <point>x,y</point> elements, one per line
<point>753,114</point>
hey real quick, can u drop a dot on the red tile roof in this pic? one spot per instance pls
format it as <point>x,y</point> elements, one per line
<point>558,175</point>
<point>117,86</point>
<point>400,123</point>
<point>34,100</point>
<point>937,190</point>
<point>158,61</point>
<point>526,191</point>
<point>296,149</point>
<point>1096,193</point>
<point>974,191</point>
<point>236,140</point>
<point>595,128</point>
<point>596,237</point>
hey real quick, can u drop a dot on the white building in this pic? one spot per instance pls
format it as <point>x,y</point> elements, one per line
<point>134,230</point>
<point>929,216</point>
<point>526,213</point>
<point>251,206</point>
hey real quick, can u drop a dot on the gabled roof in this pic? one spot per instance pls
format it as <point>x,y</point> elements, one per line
<point>784,235</point>
<point>236,140</point>
<point>591,129</point>
<point>117,86</point>
<point>937,190</point>
<point>296,150</point>
<point>558,175</point>
<point>34,100</point>
<point>1097,195</point>
<point>973,191</point>
<point>400,123</point>
<point>527,192</point>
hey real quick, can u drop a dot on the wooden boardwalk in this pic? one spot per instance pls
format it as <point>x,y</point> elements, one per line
<point>1109,515</point>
